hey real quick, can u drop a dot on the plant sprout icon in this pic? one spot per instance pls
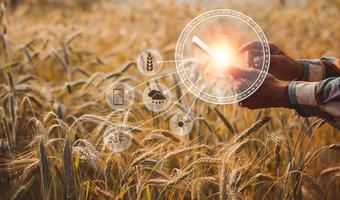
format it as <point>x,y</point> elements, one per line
<point>119,138</point>
<point>149,63</point>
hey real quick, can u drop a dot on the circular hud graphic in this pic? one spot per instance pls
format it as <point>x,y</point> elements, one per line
<point>208,45</point>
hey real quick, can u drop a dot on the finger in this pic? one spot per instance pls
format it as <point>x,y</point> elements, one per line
<point>252,54</point>
<point>250,45</point>
<point>238,72</point>
<point>257,45</point>
<point>258,62</point>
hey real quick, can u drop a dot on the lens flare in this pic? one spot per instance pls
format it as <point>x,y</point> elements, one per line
<point>222,56</point>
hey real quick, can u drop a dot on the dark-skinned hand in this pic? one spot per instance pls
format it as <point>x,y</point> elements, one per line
<point>272,93</point>
<point>281,66</point>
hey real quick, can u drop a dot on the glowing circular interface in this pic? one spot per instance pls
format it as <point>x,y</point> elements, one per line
<point>209,45</point>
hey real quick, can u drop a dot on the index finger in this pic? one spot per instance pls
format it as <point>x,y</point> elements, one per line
<point>251,45</point>
<point>257,45</point>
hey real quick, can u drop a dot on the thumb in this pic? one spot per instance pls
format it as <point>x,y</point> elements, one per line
<point>239,72</point>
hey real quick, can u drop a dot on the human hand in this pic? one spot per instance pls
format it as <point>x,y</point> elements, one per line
<point>272,93</point>
<point>281,66</point>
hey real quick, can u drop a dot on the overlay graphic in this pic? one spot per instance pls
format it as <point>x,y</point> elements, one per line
<point>212,39</point>
<point>206,48</point>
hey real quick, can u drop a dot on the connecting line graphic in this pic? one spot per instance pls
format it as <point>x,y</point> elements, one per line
<point>173,61</point>
<point>186,115</point>
<point>164,75</point>
<point>176,85</point>
<point>162,112</point>
<point>168,74</point>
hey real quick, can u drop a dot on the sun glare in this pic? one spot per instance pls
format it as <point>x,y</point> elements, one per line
<point>221,56</point>
<point>220,52</point>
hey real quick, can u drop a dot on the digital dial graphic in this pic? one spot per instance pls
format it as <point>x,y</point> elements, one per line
<point>208,45</point>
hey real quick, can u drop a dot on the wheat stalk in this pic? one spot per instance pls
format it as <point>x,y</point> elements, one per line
<point>256,126</point>
<point>44,169</point>
<point>223,182</point>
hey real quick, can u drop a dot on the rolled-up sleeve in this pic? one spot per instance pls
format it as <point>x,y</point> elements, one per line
<point>320,69</point>
<point>319,99</point>
<point>317,93</point>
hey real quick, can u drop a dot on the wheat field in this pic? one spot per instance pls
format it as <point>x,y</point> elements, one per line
<point>57,59</point>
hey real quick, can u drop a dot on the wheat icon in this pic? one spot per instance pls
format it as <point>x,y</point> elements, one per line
<point>149,63</point>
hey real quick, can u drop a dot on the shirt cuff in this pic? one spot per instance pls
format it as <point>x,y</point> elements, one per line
<point>313,70</point>
<point>331,59</point>
<point>302,97</point>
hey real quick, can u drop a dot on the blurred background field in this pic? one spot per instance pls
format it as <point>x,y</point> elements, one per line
<point>58,57</point>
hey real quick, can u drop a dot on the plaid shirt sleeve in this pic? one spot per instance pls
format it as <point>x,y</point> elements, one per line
<point>318,94</point>
<point>319,69</point>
